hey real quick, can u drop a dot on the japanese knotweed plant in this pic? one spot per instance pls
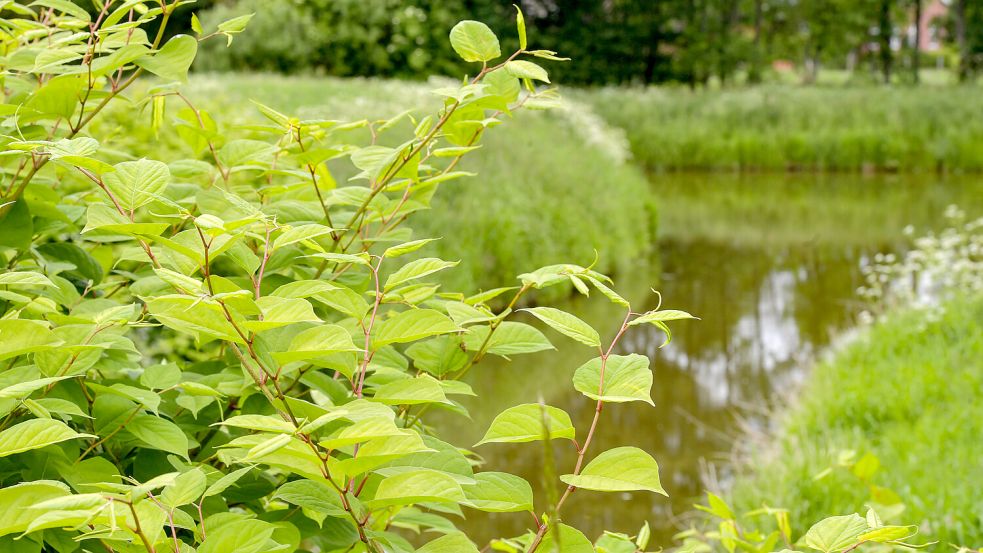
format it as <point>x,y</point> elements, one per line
<point>230,352</point>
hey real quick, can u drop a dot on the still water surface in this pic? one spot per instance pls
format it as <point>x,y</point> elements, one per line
<point>770,264</point>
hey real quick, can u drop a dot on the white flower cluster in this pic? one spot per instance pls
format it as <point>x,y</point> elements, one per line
<point>938,267</point>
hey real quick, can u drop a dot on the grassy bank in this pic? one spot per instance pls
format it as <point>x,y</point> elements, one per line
<point>550,187</point>
<point>907,392</point>
<point>783,127</point>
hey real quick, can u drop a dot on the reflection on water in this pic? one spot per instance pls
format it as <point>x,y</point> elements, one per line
<point>770,264</point>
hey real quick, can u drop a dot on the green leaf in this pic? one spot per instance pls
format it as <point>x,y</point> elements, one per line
<point>25,279</point>
<point>268,446</point>
<point>887,534</point>
<point>18,337</point>
<point>717,507</point>
<point>160,376</point>
<point>261,423</point>
<point>16,226</point>
<point>567,324</point>
<point>510,338</point>
<point>411,391</point>
<point>185,489</point>
<point>23,389</point>
<point>526,423</point>
<point>240,536</point>
<point>185,314</point>
<point>86,267</point>
<point>626,378</point>
<point>412,325</point>
<point>451,543</point>
<point>173,60</point>
<point>475,41</point>
<point>302,233</point>
<point>303,289</point>
<point>622,469</point>
<point>661,316</point>
<point>417,269</point>
<point>317,342</point>
<point>835,534</point>
<point>379,451</point>
<point>226,481</point>
<point>317,496</point>
<point>64,6</point>
<point>279,312</point>
<point>418,486</point>
<point>526,70</point>
<point>499,492</point>
<point>236,24</point>
<point>565,539</point>
<point>438,356</point>
<point>408,247</point>
<point>18,499</point>
<point>105,218</point>
<point>136,183</point>
<point>520,24</point>
<point>159,433</point>
<point>196,24</point>
<point>35,433</point>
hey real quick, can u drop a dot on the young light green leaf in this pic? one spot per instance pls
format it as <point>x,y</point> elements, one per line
<point>526,70</point>
<point>474,41</point>
<point>525,423</point>
<point>136,183</point>
<point>520,24</point>
<point>499,492</point>
<point>411,391</point>
<point>565,539</point>
<point>408,247</point>
<point>450,543</point>
<point>173,60</point>
<point>417,269</point>
<point>35,433</point>
<point>418,486</point>
<point>567,324</point>
<point>622,469</point>
<point>626,378</point>
<point>317,342</point>
<point>25,279</point>
<point>661,316</point>
<point>510,338</point>
<point>226,481</point>
<point>261,423</point>
<point>412,325</point>
<point>835,534</point>
<point>300,233</point>
<point>185,489</point>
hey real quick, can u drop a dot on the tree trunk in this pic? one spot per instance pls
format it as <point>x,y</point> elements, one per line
<point>884,36</point>
<point>757,59</point>
<point>916,53</point>
<point>961,40</point>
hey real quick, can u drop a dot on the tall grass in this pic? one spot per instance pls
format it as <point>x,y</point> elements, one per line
<point>782,127</point>
<point>908,392</point>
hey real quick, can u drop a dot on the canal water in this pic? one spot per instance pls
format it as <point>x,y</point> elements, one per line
<point>771,265</point>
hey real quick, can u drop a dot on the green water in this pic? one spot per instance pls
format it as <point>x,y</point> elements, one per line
<point>771,265</point>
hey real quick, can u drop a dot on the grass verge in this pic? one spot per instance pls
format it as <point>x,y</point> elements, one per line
<point>908,391</point>
<point>784,127</point>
